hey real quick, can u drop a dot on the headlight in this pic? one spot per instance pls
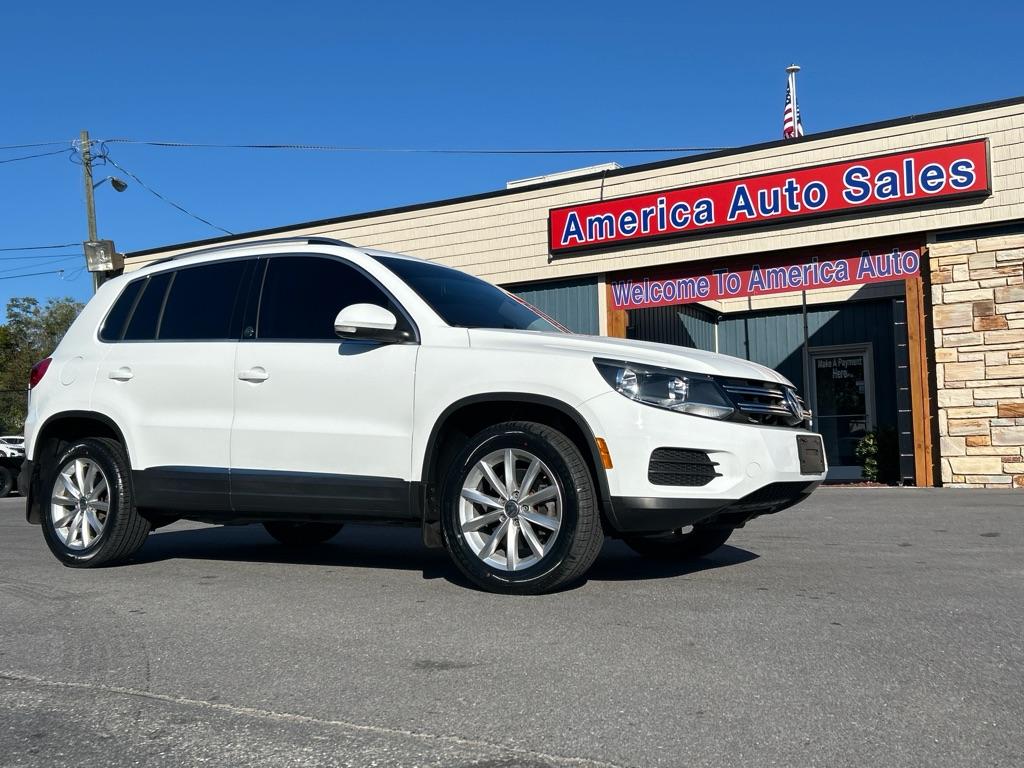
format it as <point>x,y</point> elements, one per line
<point>692,393</point>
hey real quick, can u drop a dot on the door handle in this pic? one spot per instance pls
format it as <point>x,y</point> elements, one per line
<point>255,375</point>
<point>121,374</point>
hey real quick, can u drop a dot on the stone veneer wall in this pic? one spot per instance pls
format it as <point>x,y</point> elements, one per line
<point>978,320</point>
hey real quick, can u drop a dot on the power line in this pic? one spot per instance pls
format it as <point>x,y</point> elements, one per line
<point>39,247</point>
<point>416,150</point>
<point>33,274</point>
<point>49,262</point>
<point>41,257</point>
<point>73,274</point>
<point>398,150</point>
<point>40,154</point>
<point>36,144</point>
<point>106,156</point>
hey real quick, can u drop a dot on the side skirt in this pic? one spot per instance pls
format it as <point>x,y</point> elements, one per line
<point>214,494</point>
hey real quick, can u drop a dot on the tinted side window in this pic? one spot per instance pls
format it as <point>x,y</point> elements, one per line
<point>202,302</point>
<point>113,326</point>
<point>142,325</point>
<point>303,294</point>
<point>465,301</point>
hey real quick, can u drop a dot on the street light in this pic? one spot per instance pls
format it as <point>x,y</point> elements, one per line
<point>119,185</point>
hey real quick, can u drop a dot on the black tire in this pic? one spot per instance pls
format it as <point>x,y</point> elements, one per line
<point>302,534</point>
<point>580,536</point>
<point>124,529</point>
<point>674,545</point>
<point>6,481</point>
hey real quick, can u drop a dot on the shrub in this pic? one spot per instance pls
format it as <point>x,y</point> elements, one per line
<point>878,453</point>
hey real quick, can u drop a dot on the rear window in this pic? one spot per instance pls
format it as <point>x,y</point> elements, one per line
<point>202,302</point>
<point>189,304</point>
<point>113,326</point>
<point>142,324</point>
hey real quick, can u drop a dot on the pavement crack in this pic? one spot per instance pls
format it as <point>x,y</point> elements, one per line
<point>257,712</point>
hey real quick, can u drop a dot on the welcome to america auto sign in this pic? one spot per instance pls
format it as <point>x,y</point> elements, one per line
<point>765,275</point>
<point>915,177</point>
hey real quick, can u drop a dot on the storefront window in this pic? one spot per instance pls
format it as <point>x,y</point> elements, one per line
<point>843,402</point>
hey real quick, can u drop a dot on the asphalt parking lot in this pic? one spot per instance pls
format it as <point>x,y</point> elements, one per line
<point>865,627</point>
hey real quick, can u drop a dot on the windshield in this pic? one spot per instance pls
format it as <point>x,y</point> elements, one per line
<point>465,301</point>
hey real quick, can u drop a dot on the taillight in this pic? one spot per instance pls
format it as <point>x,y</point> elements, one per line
<point>38,371</point>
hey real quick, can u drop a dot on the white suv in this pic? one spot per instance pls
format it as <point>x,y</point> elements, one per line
<point>213,386</point>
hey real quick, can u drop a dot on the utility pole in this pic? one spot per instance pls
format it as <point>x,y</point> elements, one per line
<point>90,199</point>
<point>101,259</point>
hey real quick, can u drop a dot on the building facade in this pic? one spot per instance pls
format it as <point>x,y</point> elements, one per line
<point>878,267</point>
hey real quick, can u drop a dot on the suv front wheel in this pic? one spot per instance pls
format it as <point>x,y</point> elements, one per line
<point>519,513</point>
<point>88,511</point>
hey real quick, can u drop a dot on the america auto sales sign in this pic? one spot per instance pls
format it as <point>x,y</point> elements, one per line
<point>914,177</point>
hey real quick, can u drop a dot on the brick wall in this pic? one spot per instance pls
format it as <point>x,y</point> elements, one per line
<point>978,317</point>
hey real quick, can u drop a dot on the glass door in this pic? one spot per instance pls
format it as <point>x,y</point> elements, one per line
<point>844,404</point>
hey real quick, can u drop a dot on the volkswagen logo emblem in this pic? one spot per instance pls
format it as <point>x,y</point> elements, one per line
<point>793,404</point>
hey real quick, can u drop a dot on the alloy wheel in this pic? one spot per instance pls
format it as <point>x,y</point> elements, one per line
<point>510,509</point>
<point>80,504</point>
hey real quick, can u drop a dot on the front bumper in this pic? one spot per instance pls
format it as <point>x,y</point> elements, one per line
<point>633,515</point>
<point>758,466</point>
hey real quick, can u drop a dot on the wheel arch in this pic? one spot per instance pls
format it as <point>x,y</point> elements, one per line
<point>466,416</point>
<point>61,427</point>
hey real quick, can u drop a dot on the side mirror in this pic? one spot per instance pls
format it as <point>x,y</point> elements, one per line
<point>369,322</point>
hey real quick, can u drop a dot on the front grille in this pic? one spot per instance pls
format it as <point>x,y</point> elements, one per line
<point>680,466</point>
<point>765,402</point>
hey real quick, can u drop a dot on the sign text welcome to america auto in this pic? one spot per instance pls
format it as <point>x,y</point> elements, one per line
<point>904,178</point>
<point>764,275</point>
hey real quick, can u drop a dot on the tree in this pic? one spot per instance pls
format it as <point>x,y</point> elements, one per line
<point>30,333</point>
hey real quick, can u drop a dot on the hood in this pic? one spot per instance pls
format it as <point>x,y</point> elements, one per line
<point>644,352</point>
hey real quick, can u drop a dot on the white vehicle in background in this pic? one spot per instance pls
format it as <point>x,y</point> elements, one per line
<point>16,442</point>
<point>306,383</point>
<point>12,454</point>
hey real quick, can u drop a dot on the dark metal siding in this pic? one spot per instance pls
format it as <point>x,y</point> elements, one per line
<point>685,325</point>
<point>573,303</point>
<point>774,338</point>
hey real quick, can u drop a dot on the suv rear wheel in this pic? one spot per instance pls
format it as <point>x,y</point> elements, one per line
<point>683,544</point>
<point>89,516</point>
<point>519,513</point>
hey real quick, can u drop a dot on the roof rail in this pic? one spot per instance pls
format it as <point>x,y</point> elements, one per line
<point>307,240</point>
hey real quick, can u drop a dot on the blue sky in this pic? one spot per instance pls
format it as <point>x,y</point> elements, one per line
<point>430,75</point>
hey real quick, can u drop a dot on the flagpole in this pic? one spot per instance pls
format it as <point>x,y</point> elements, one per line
<point>791,70</point>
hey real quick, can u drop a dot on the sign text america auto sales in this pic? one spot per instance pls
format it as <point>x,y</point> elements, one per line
<point>913,177</point>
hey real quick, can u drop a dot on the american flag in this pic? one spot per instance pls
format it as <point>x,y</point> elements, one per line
<point>792,127</point>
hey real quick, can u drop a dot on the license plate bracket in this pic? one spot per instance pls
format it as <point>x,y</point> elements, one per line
<point>811,451</point>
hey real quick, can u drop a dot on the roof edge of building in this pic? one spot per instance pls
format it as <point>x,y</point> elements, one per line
<point>676,161</point>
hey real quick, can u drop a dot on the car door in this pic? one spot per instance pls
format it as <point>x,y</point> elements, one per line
<point>168,380</point>
<point>322,427</point>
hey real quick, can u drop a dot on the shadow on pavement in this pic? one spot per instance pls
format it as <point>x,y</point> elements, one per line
<point>395,549</point>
